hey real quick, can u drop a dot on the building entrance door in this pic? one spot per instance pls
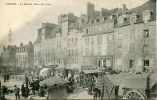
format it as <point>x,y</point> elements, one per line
<point>131,63</point>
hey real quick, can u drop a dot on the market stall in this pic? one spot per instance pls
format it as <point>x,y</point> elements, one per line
<point>56,87</point>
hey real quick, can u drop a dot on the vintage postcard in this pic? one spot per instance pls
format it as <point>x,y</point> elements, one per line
<point>78,49</point>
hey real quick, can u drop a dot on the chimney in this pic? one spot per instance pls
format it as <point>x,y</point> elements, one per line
<point>30,43</point>
<point>103,11</point>
<point>39,33</point>
<point>3,48</point>
<point>21,44</point>
<point>124,8</point>
<point>90,10</point>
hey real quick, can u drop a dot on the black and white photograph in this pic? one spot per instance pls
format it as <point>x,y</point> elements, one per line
<point>78,49</point>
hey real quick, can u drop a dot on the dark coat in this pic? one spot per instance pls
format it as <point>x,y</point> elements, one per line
<point>25,92</point>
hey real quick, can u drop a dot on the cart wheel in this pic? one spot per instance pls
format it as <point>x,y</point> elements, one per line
<point>134,95</point>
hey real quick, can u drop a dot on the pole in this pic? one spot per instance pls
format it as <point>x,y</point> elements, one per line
<point>143,55</point>
<point>143,51</point>
<point>113,61</point>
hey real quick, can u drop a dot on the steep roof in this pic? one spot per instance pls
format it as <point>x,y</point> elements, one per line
<point>105,14</point>
<point>55,30</point>
<point>150,5</point>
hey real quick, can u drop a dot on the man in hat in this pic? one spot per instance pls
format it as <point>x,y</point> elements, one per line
<point>17,92</point>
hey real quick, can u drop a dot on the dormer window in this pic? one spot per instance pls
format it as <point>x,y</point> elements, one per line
<point>112,16</point>
<point>97,20</point>
<point>125,19</point>
<point>146,16</point>
<point>133,18</point>
<point>120,20</point>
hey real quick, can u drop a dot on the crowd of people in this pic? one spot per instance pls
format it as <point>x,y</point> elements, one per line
<point>31,86</point>
<point>90,82</point>
<point>6,77</point>
<point>86,81</point>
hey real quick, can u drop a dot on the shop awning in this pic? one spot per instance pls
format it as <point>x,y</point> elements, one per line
<point>77,68</point>
<point>92,71</point>
<point>60,67</point>
<point>53,80</point>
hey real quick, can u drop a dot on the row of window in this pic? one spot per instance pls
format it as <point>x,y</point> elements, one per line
<point>73,61</point>
<point>49,61</point>
<point>73,52</point>
<point>99,29</point>
<point>72,41</point>
<point>120,37</point>
<point>146,34</point>
<point>22,50</point>
<point>58,61</point>
<point>46,53</point>
<point>22,57</point>
<point>133,17</point>
<point>132,63</point>
<point>92,51</point>
<point>88,41</point>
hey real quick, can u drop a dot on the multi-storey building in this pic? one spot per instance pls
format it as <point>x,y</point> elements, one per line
<point>74,48</point>
<point>72,39</point>
<point>98,37</point>
<point>54,50</point>
<point>8,56</point>
<point>119,38</point>
<point>25,55</point>
<point>135,38</point>
<point>44,45</point>
<point>59,54</point>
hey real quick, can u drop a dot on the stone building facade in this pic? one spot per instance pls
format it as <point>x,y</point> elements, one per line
<point>74,48</point>
<point>25,55</point>
<point>122,38</point>
<point>8,56</point>
<point>54,50</point>
<point>106,38</point>
<point>44,45</point>
<point>135,38</point>
<point>98,38</point>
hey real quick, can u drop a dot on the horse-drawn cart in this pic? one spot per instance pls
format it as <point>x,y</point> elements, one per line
<point>140,87</point>
<point>130,86</point>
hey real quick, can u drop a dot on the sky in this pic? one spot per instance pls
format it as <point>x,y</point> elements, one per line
<point>24,20</point>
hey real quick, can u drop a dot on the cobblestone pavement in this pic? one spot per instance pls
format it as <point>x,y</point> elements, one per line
<point>11,82</point>
<point>81,95</point>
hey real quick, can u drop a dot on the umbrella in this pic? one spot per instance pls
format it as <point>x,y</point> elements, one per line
<point>44,71</point>
<point>53,80</point>
<point>60,67</point>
